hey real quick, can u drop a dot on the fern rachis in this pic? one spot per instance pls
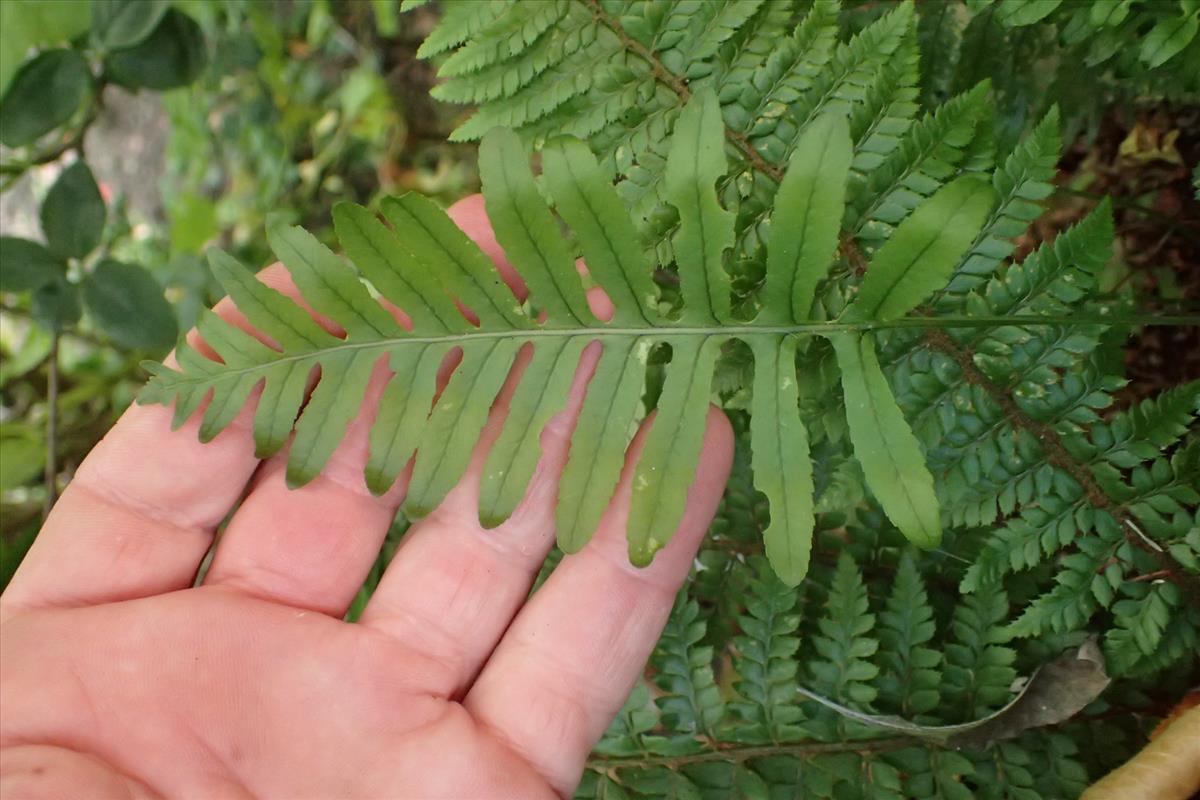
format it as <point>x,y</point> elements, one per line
<point>424,265</point>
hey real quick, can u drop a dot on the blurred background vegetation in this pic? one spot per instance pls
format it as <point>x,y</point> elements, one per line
<point>195,120</point>
<point>135,134</point>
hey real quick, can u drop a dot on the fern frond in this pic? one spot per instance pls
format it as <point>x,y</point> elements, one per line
<point>423,264</point>
<point>708,25</point>
<point>1073,600</point>
<point>505,37</point>
<point>1020,182</point>
<point>855,66</point>
<point>845,670</point>
<point>691,704</point>
<point>575,31</point>
<point>1026,540</point>
<point>909,683</point>
<point>1141,433</point>
<point>979,671</point>
<point>764,661</point>
<point>548,91</point>
<point>1142,616</point>
<point>926,159</point>
<point>627,735</point>
<point>746,53</point>
<point>789,72</point>
<point>939,31</point>
<point>459,22</point>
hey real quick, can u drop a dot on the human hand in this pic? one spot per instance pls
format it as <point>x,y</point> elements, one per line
<point>118,679</point>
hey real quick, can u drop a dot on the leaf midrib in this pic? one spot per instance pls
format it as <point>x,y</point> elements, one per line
<point>735,331</point>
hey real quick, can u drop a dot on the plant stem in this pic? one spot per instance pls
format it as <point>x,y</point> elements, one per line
<point>81,336</point>
<point>1058,455</point>
<point>13,170</point>
<point>721,751</point>
<point>51,475</point>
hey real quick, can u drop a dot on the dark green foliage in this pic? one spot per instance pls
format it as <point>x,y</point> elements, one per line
<point>44,94</point>
<point>128,305</point>
<point>691,703</point>
<point>118,24</point>
<point>845,669</point>
<point>979,673</point>
<point>73,213</point>
<point>761,744</point>
<point>139,44</point>
<point>1062,518</point>
<point>172,55</point>
<point>27,265</point>
<point>765,660</point>
<point>909,685</point>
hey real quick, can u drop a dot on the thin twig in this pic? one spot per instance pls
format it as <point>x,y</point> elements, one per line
<point>82,336</point>
<point>73,142</point>
<point>722,751</point>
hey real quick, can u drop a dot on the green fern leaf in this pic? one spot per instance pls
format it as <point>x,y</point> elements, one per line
<point>928,156</point>
<point>781,463</point>
<point>1023,179</point>
<point>422,263</point>
<point>979,671</point>
<point>764,660</point>
<point>692,704</point>
<point>808,207</point>
<point>709,25</point>
<point>845,672</point>
<point>839,87</point>
<point>706,230</point>
<point>506,37</point>
<point>459,22</point>
<point>1018,13</point>
<point>576,30</point>
<point>919,256</point>
<point>909,684</point>
<point>939,31</point>
<point>890,455</point>
<point>790,68</point>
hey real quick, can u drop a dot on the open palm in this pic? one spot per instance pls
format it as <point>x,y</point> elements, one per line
<point>119,679</point>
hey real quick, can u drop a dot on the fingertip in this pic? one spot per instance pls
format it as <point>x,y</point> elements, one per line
<point>597,299</point>
<point>470,214</point>
<point>718,441</point>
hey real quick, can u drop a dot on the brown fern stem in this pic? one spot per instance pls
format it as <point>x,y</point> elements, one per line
<point>1058,455</point>
<point>727,752</point>
<point>680,87</point>
<point>1052,444</point>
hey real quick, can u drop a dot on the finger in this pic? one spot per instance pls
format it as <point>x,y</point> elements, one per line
<point>312,547</point>
<point>140,513</point>
<point>570,658</point>
<point>453,586</point>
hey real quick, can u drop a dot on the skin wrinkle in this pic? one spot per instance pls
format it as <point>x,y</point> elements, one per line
<point>434,642</point>
<point>40,766</point>
<point>104,488</point>
<point>563,788</point>
<point>144,542</point>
